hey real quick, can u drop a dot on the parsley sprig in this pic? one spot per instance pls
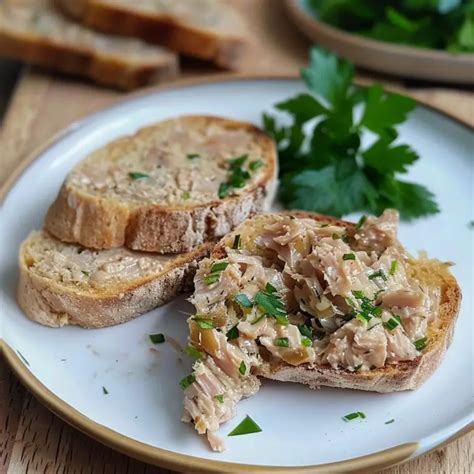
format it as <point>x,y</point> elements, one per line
<point>329,170</point>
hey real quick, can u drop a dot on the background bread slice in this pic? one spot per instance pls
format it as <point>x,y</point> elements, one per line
<point>406,375</point>
<point>176,205</point>
<point>63,284</point>
<point>206,29</point>
<point>33,31</point>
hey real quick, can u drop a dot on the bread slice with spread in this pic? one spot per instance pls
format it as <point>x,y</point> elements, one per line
<point>168,188</point>
<point>63,284</point>
<point>311,299</point>
<point>207,29</point>
<point>33,31</point>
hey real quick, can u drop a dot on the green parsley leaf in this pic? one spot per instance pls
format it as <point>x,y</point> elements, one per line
<point>185,195</point>
<point>348,256</point>
<point>247,426</point>
<point>224,190</point>
<point>306,330</point>
<point>282,342</point>
<point>361,222</point>
<point>157,338</point>
<point>383,111</point>
<point>378,274</point>
<point>187,381</point>
<point>325,168</point>
<point>138,175</point>
<point>353,416</point>
<point>255,165</point>
<point>193,352</point>
<point>204,323</point>
<point>306,342</point>
<point>232,333</point>
<point>393,267</point>
<point>193,156</point>
<point>327,76</point>
<point>237,242</point>
<point>219,267</point>
<point>242,368</point>
<point>219,398</point>
<point>420,344</point>
<point>243,300</point>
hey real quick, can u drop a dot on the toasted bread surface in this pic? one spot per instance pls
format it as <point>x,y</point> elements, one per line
<point>161,190</point>
<point>63,284</point>
<point>206,29</point>
<point>33,31</point>
<point>406,375</point>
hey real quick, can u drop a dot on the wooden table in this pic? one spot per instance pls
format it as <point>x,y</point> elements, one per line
<point>31,438</point>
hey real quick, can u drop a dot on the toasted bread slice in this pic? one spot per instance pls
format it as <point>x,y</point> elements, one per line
<point>312,299</point>
<point>206,29</point>
<point>167,188</point>
<point>405,375</point>
<point>32,30</point>
<point>63,284</point>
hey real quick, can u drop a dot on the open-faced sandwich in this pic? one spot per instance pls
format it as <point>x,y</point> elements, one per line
<point>307,298</point>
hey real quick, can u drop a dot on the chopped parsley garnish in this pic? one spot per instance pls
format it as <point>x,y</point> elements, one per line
<point>219,266</point>
<point>353,416</point>
<point>105,391</point>
<point>87,274</point>
<point>187,381</point>
<point>271,305</point>
<point>247,426</point>
<point>282,342</point>
<point>204,323</point>
<point>269,288</point>
<point>329,168</point>
<point>306,341</point>
<point>237,242</point>
<point>420,344</point>
<point>390,421</point>
<point>219,398</point>
<point>23,358</point>
<point>138,175</point>
<point>393,267</point>
<point>242,368</point>
<point>361,222</point>
<point>255,165</point>
<point>378,274</point>
<point>157,338</point>
<point>224,189</point>
<point>243,300</point>
<point>210,279</point>
<point>215,272</point>
<point>348,256</point>
<point>238,162</point>
<point>232,333</point>
<point>392,323</point>
<point>306,330</point>
<point>193,156</point>
<point>185,195</point>
<point>193,352</point>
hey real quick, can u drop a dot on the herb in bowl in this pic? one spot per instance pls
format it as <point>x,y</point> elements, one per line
<point>434,24</point>
<point>324,166</point>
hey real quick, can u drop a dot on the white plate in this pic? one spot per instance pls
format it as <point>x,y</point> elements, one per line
<point>140,415</point>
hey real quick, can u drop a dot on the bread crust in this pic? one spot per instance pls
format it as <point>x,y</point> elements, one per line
<point>103,68</point>
<point>407,375</point>
<point>101,223</point>
<point>224,50</point>
<point>54,304</point>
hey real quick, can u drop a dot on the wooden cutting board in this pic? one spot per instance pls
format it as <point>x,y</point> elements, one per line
<point>31,438</point>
